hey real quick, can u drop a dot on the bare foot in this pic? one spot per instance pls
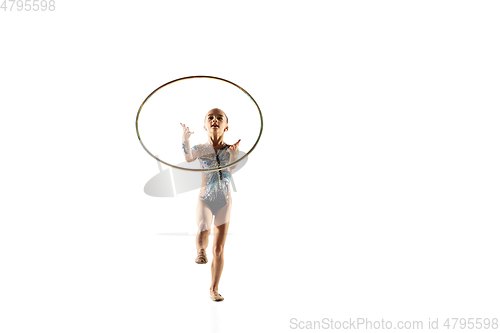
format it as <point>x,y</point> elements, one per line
<point>202,257</point>
<point>215,296</point>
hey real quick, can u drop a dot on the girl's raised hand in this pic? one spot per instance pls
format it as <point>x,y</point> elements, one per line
<point>186,133</point>
<point>235,147</point>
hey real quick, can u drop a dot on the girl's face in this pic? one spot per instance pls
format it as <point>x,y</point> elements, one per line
<point>215,122</point>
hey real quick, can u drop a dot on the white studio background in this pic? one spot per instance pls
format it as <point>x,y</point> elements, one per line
<point>373,192</point>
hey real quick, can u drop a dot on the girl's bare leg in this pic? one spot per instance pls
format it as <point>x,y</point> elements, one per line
<point>221,222</point>
<point>204,220</point>
<point>202,241</point>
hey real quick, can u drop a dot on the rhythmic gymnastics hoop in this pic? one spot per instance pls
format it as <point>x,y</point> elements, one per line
<point>199,170</point>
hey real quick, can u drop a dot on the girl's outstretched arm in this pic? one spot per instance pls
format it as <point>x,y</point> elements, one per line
<point>234,151</point>
<point>186,147</point>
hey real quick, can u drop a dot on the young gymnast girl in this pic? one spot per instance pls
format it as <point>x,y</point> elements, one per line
<point>214,201</point>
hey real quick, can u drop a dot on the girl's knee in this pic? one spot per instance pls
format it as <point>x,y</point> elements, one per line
<point>218,251</point>
<point>204,227</point>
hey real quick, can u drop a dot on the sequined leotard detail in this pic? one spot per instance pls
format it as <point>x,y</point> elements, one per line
<point>215,190</point>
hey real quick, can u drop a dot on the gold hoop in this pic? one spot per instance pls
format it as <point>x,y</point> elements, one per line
<point>199,170</point>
